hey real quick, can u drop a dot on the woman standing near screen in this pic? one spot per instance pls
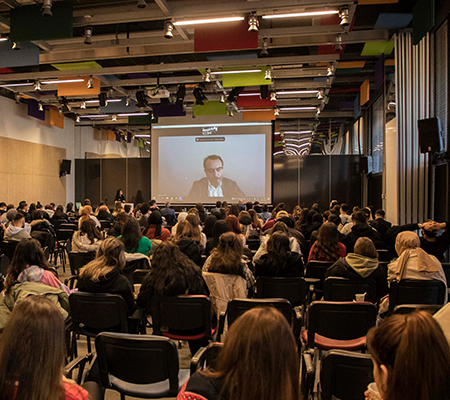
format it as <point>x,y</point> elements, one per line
<point>119,196</point>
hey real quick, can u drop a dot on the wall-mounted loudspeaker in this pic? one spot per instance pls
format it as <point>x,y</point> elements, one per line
<point>430,135</point>
<point>65,167</point>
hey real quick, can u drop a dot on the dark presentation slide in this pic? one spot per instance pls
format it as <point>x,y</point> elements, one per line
<point>206,164</point>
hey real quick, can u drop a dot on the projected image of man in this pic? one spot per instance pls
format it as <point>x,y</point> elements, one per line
<point>215,185</point>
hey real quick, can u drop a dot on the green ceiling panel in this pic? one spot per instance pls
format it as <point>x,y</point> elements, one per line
<point>77,65</point>
<point>378,48</point>
<point>245,79</point>
<point>211,108</point>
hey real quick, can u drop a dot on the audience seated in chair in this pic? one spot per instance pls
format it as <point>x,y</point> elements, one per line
<point>86,212</point>
<point>360,228</point>
<point>362,264</point>
<point>133,240</point>
<point>103,274</point>
<point>17,230</point>
<point>279,261</point>
<point>121,219</point>
<point>219,228</point>
<point>327,247</point>
<point>155,229</point>
<point>379,223</point>
<point>104,214</point>
<point>258,361</point>
<point>208,229</point>
<point>188,240</point>
<point>32,354</point>
<point>88,238</point>
<point>411,358</point>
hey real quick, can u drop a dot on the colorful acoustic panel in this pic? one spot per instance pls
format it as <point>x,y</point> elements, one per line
<point>77,66</point>
<point>393,20</point>
<point>365,92</point>
<point>33,110</point>
<point>378,48</point>
<point>142,120</point>
<point>246,79</point>
<point>119,107</point>
<point>372,2</point>
<point>26,56</point>
<point>6,71</point>
<point>28,23</point>
<point>423,19</point>
<point>168,110</point>
<point>254,102</point>
<point>224,36</point>
<point>56,119</point>
<point>258,115</point>
<point>211,108</point>
<point>78,88</point>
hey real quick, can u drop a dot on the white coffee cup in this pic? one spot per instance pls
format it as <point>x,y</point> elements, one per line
<point>374,394</point>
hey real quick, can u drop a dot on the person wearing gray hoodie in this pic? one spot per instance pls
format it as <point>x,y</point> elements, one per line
<point>362,264</point>
<point>16,230</point>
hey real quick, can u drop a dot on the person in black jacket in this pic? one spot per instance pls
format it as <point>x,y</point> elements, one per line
<point>362,264</point>
<point>361,228</point>
<point>104,273</point>
<point>379,223</point>
<point>172,274</point>
<point>279,261</point>
<point>188,245</point>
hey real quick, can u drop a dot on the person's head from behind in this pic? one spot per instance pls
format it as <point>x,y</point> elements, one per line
<point>69,207</point>
<point>18,220</point>
<point>118,207</point>
<point>23,206</point>
<point>152,204</point>
<point>32,351</point>
<point>259,358</point>
<point>127,208</point>
<point>359,218</point>
<point>144,209</point>
<point>184,230</point>
<point>368,212</point>
<point>200,207</point>
<point>89,229</point>
<point>86,210</point>
<point>333,203</point>
<point>217,214</point>
<point>218,204</point>
<point>226,258</point>
<point>233,223</point>
<point>279,227</point>
<point>278,245</point>
<point>219,228</point>
<point>380,213</point>
<point>28,252</point>
<point>2,206</point>
<point>365,247</point>
<point>87,202</point>
<point>245,218</point>
<point>155,218</point>
<point>344,208</point>
<point>328,235</point>
<point>210,221</point>
<point>411,357</point>
<point>213,167</point>
<point>335,219</point>
<point>234,210</point>
<point>406,241</point>
<point>131,234</point>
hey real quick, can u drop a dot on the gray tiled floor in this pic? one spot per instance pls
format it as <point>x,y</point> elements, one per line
<point>184,353</point>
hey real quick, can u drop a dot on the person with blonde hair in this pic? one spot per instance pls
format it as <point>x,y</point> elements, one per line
<point>258,361</point>
<point>118,208</point>
<point>85,213</point>
<point>32,354</point>
<point>104,273</point>
<point>411,358</point>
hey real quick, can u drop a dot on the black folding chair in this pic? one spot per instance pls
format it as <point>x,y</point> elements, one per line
<point>416,291</point>
<point>93,313</point>
<point>79,260</point>
<point>384,255</point>
<point>253,244</point>
<point>341,289</point>
<point>133,265</point>
<point>293,289</point>
<point>409,308</point>
<point>105,225</point>
<point>139,275</point>
<point>206,357</point>
<point>63,237</point>
<point>143,366</point>
<point>8,248</point>
<point>316,270</point>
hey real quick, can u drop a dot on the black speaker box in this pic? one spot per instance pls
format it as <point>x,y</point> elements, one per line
<point>430,135</point>
<point>65,167</point>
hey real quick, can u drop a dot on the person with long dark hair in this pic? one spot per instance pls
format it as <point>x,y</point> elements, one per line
<point>71,213</point>
<point>155,229</point>
<point>29,265</point>
<point>188,241</point>
<point>87,239</point>
<point>411,358</point>
<point>219,228</point>
<point>133,240</point>
<point>258,361</point>
<point>119,196</point>
<point>279,261</point>
<point>210,222</point>
<point>32,354</point>
<point>327,247</point>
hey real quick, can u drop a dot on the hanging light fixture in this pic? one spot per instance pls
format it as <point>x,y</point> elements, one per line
<point>273,96</point>
<point>276,112</point>
<point>83,105</point>
<point>141,4</point>
<point>90,83</point>
<point>320,94</point>
<point>264,48</point>
<point>208,76</point>
<point>78,118</point>
<point>37,85</point>
<point>343,14</point>
<point>268,74</point>
<point>60,111</point>
<point>223,98</point>
<point>17,97</point>
<point>127,103</point>
<point>88,35</point>
<point>41,106</point>
<point>168,29</point>
<point>338,45</point>
<point>47,8</point>
<point>253,22</point>
<point>114,118</point>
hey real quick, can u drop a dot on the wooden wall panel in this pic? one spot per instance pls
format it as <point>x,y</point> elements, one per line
<point>30,171</point>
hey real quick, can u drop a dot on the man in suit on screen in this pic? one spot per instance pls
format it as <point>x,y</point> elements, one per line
<point>214,184</point>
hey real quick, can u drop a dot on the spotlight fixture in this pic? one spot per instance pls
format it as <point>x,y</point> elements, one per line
<point>264,48</point>
<point>83,105</point>
<point>15,46</point>
<point>268,74</point>
<point>78,118</point>
<point>276,112</point>
<point>223,98</point>
<point>114,118</point>
<point>253,23</point>
<point>127,103</point>
<point>41,106</point>
<point>318,111</point>
<point>103,99</point>
<point>338,45</point>
<point>343,14</point>
<point>141,4</point>
<point>273,96</point>
<point>181,94</point>
<point>199,95</point>
<point>330,71</point>
<point>17,97</point>
<point>90,83</point>
<point>88,35</point>
<point>168,30</point>
<point>47,8</point>
<point>230,112</point>
<point>320,94</point>
<point>111,91</point>
<point>60,111</point>
<point>37,85</point>
<point>208,76</point>
<point>235,92</point>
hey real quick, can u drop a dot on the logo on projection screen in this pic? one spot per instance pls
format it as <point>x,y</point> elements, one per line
<point>210,130</point>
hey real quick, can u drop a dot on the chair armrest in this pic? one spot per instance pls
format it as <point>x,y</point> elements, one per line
<point>70,281</point>
<point>198,359</point>
<point>79,362</point>
<point>308,374</point>
<point>221,326</point>
<point>298,321</point>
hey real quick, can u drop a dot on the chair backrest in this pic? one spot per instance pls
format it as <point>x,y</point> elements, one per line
<point>64,234</point>
<point>416,291</point>
<point>384,255</point>
<point>8,248</point>
<point>182,313</point>
<point>446,268</point>
<point>133,265</point>
<point>72,226</point>
<point>342,289</point>
<point>137,360</point>
<point>206,357</point>
<point>139,275</point>
<point>409,308</point>
<point>293,289</point>
<point>317,270</point>
<point>237,307</point>
<point>345,375</point>
<point>253,244</point>
<point>340,320</point>
<point>93,313</point>
<point>105,224</point>
<point>79,260</point>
